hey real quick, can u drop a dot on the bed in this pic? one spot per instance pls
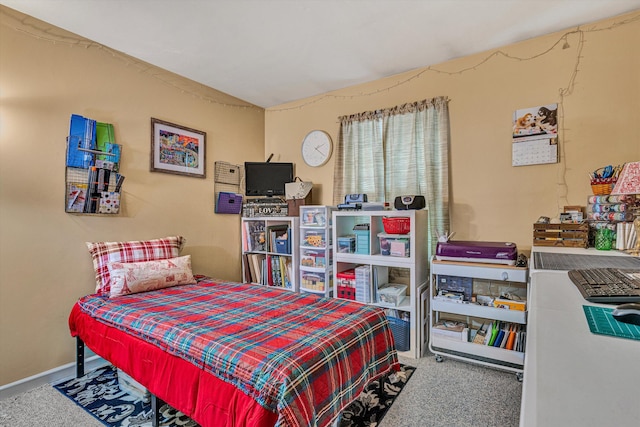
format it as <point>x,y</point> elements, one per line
<point>234,354</point>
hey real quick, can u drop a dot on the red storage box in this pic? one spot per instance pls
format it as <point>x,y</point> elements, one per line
<point>347,284</point>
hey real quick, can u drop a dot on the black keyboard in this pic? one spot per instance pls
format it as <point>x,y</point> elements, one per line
<point>607,285</point>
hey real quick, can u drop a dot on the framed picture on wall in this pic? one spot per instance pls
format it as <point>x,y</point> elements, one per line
<point>177,149</point>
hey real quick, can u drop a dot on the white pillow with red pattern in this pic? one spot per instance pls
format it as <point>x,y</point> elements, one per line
<point>133,277</point>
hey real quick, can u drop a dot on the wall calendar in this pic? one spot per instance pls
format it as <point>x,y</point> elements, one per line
<point>535,136</point>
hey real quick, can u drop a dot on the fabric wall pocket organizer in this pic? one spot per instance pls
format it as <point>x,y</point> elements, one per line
<point>228,203</point>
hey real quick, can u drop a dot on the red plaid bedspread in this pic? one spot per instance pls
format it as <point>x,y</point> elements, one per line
<point>300,355</point>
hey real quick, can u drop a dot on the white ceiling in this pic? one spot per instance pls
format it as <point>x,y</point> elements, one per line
<point>271,52</point>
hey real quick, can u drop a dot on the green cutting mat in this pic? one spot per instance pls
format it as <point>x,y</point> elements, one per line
<point>602,322</point>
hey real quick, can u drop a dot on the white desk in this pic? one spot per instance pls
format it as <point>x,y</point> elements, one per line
<point>571,376</point>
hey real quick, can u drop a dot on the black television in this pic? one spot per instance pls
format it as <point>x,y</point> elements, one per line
<point>266,179</point>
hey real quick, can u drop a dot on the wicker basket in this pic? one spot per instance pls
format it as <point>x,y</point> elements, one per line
<point>396,225</point>
<point>602,187</point>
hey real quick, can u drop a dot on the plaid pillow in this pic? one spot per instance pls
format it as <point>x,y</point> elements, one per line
<point>105,253</point>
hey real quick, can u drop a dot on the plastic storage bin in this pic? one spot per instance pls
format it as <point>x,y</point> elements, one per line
<point>392,294</point>
<point>313,281</point>
<point>394,244</point>
<point>313,217</point>
<point>314,258</point>
<point>314,238</point>
<point>400,330</point>
<point>347,244</point>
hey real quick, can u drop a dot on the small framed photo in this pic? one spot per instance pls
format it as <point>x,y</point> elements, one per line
<point>177,149</point>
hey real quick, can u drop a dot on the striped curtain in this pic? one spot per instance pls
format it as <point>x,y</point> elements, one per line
<point>396,151</point>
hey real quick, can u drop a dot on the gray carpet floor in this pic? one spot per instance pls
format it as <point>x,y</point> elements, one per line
<point>450,393</point>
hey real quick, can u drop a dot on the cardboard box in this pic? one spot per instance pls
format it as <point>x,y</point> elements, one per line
<point>510,304</point>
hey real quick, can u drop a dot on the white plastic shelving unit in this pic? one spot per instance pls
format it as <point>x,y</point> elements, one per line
<point>411,270</point>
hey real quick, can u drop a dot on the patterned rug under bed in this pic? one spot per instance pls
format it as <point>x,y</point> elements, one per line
<point>99,394</point>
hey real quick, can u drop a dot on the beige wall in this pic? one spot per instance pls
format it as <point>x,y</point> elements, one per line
<point>491,200</point>
<point>44,263</point>
<point>44,266</point>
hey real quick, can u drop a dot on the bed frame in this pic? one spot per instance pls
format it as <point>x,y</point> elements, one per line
<point>156,402</point>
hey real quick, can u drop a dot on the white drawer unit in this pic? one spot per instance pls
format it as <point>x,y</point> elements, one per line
<point>316,250</point>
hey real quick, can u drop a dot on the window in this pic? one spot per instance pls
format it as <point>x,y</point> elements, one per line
<point>397,151</point>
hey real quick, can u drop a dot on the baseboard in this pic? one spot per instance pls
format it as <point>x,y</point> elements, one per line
<point>49,377</point>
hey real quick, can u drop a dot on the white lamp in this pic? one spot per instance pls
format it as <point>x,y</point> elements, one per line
<point>629,185</point>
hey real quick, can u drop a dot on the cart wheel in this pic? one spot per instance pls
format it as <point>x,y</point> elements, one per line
<point>439,358</point>
<point>519,376</point>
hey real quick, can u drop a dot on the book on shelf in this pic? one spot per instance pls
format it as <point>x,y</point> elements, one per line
<point>511,338</point>
<point>254,236</point>
<point>256,267</point>
<point>499,337</point>
<point>246,268</point>
<point>286,268</point>
<point>379,277</point>
<point>264,278</point>
<point>520,339</point>
<point>278,273</point>
<point>494,333</point>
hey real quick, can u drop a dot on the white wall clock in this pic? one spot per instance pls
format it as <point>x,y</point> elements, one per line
<point>316,148</point>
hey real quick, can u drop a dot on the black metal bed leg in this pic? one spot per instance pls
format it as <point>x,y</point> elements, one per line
<point>79,358</point>
<point>156,404</point>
